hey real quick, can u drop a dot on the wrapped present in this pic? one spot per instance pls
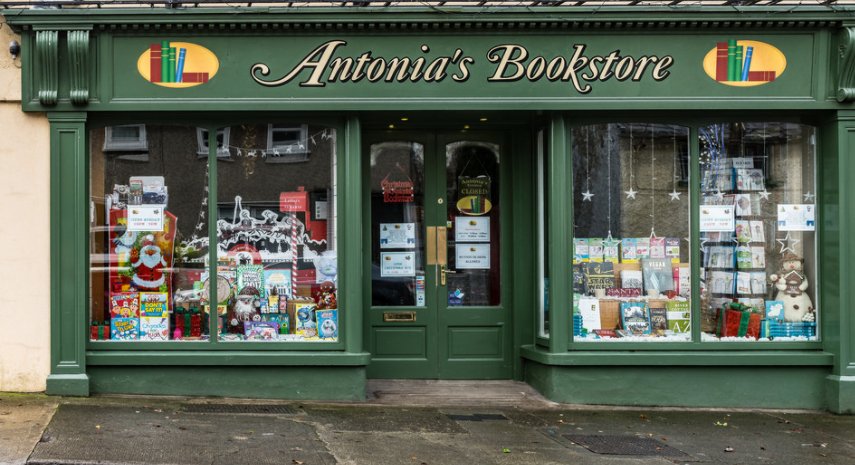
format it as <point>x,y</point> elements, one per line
<point>738,320</point>
<point>772,328</point>
<point>99,331</point>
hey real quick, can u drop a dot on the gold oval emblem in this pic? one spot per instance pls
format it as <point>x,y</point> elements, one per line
<point>474,205</point>
<point>744,63</point>
<point>177,64</point>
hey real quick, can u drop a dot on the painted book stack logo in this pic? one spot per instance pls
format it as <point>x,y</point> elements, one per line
<point>744,63</point>
<point>177,64</point>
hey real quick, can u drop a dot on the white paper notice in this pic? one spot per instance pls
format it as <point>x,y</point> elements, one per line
<point>742,163</point>
<point>398,264</point>
<point>717,218</point>
<point>322,210</point>
<point>145,218</point>
<point>397,235</point>
<point>472,256</point>
<point>590,311</point>
<point>796,217</point>
<point>472,229</point>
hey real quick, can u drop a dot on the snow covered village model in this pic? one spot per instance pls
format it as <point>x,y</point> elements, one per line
<point>276,279</point>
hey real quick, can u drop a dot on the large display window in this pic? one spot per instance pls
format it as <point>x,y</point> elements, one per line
<point>148,234</point>
<point>633,228</point>
<point>631,270</point>
<point>274,198</point>
<point>277,264</point>
<point>758,224</point>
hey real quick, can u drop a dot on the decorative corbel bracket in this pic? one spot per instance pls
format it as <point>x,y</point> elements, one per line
<point>78,62</point>
<point>47,52</point>
<point>846,65</point>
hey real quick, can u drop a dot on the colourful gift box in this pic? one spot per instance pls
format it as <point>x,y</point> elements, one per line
<point>738,320</point>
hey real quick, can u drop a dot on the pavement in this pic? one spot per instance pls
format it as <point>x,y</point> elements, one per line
<point>404,423</point>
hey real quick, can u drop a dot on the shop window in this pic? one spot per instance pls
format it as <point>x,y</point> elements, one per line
<point>758,232</point>
<point>631,271</point>
<point>222,142</point>
<point>125,138</point>
<point>148,235</point>
<point>543,233</point>
<point>287,143</point>
<point>276,245</point>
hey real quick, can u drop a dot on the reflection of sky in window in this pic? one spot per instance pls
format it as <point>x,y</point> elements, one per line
<point>452,149</point>
<point>415,150</point>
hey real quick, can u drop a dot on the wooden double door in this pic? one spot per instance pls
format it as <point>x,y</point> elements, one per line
<point>436,274</point>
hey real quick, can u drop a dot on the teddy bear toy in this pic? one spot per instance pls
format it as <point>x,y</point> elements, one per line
<point>791,284</point>
<point>325,298</point>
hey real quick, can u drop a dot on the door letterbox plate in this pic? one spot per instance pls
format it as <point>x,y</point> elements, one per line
<point>399,316</point>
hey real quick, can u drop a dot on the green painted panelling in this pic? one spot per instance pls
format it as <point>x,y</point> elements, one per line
<point>840,394</point>
<point>400,342</point>
<point>298,383</point>
<point>745,387</point>
<point>467,342</point>
<point>67,385</point>
<point>523,212</point>
<point>679,358</point>
<point>226,358</point>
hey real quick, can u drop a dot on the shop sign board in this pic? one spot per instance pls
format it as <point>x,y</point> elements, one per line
<point>357,68</point>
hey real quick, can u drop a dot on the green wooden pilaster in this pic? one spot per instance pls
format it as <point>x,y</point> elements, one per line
<point>349,188</point>
<point>694,231</point>
<point>69,254</point>
<point>837,169</point>
<point>559,221</point>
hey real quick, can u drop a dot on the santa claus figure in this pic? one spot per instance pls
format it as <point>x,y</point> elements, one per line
<point>148,268</point>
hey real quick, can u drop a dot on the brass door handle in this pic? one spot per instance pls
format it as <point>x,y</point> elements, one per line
<point>443,273</point>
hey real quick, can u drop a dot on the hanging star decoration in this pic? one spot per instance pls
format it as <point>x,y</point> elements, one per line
<point>719,195</point>
<point>630,194</point>
<point>809,197</point>
<point>764,194</point>
<point>675,195</point>
<point>586,196</point>
<point>787,243</point>
<point>610,242</point>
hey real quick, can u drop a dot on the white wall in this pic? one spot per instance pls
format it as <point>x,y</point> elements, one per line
<point>24,233</point>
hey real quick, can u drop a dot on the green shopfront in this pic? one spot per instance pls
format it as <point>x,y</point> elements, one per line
<point>630,206</point>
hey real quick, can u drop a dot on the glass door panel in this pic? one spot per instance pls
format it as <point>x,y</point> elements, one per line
<point>397,224</point>
<point>472,192</point>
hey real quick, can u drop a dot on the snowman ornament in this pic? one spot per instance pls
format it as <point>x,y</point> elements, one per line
<point>148,268</point>
<point>791,284</point>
